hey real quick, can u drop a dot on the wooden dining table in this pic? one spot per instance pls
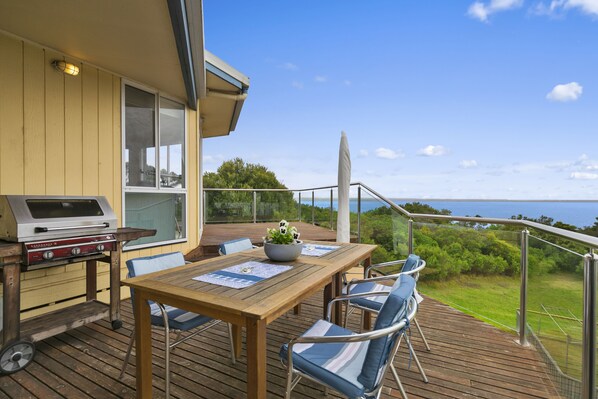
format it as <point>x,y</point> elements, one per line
<point>252,308</point>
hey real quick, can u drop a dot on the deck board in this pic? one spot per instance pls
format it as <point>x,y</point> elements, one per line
<point>469,359</point>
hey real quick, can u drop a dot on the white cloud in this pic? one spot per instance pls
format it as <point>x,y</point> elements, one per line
<point>586,6</point>
<point>468,164</point>
<point>297,85</point>
<point>321,79</point>
<point>386,153</point>
<point>565,92</point>
<point>482,11</point>
<point>584,176</point>
<point>289,66</point>
<point>363,153</point>
<point>433,151</point>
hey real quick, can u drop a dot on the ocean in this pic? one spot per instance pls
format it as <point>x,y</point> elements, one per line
<point>577,213</point>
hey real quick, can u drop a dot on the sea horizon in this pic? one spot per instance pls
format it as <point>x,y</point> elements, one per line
<point>579,213</point>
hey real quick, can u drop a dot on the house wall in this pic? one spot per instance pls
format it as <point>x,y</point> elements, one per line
<point>61,135</point>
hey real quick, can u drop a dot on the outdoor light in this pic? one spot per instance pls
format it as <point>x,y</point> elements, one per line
<point>66,67</point>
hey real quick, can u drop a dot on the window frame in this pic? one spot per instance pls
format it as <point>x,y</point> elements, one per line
<point>157,189</point>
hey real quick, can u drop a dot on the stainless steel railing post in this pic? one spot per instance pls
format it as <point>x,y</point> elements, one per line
<point>331,216</point>
<point>410,236</point>
<point>313,208</point>
<point>299,216</point>
<point>588,371</point>
<point>205,207</point>
<point>254,207</point>
<point>358,213</point>
<point>523,288</point>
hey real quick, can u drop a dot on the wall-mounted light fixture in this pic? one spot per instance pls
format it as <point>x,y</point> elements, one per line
<point>66,67</point>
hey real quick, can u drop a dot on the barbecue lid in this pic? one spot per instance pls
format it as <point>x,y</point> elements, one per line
<point>29,217</point>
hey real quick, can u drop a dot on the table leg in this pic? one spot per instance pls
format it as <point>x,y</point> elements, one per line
<point>297,309</point>
<point>256,359</point>
<point>337,287</point>
<point>367,316</point>
<point>91,277</point>
<point>143,347</point>
<point>115,289</point>
<point>327,298</point>
<point>11,283</point>
<point>237,340</point>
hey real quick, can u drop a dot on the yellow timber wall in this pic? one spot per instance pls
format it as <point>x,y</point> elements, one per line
<point>61,135</point>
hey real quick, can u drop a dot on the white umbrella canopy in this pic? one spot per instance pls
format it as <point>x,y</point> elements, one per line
<point>343,224</point>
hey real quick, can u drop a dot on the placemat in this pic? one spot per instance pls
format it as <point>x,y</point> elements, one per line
<point>242,275</point>
<point>317,250</point>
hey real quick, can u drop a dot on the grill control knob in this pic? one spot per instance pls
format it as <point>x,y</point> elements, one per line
<point>48,255</point>
<point>100,247</point>
<point>76,251</point>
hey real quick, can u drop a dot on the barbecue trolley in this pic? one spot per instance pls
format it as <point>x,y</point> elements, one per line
<point>47,231</point>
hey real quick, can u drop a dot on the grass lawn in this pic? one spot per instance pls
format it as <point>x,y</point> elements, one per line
<point>495,300</point>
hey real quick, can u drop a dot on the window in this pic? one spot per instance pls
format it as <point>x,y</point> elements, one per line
<point>155,194</point>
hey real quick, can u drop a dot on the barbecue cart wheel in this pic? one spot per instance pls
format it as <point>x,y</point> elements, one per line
<point>116,324</point>
<point>16,356</point>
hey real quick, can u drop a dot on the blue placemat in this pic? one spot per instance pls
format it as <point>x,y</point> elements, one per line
<point>242,275</point>
<point>317,250</point>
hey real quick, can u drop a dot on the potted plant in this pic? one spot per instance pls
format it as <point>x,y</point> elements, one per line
<point>283,244</point>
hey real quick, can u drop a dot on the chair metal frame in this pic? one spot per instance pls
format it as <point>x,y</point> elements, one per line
<point>168,346</point>
<point>350,307</point>
<point>396,329</point>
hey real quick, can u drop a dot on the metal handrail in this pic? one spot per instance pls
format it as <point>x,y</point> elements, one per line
<point>590,262</point>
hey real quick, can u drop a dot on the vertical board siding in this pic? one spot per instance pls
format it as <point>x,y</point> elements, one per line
<point>11,116</point>
<point>54,98</point>
<point>90,130</point>
<point>61,135</point>
<point>34,120</point>
<point>106,154</point>
<point>116,145</point>
<point>73,140</point>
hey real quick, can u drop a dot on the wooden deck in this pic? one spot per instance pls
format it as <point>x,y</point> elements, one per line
<point>469,359</point>
<point>215,234</point>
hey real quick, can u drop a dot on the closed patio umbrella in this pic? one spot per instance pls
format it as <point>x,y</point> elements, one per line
<point>344,184</point>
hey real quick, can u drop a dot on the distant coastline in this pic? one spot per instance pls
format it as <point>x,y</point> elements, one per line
<point>580,213</point>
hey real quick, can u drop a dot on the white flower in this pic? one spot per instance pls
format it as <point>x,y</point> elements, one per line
<point>283,223</point>
<point>283,230</point>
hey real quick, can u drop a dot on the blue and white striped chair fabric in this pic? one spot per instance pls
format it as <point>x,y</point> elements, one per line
<point>232,246</point>
<point>352,364</point>
<point>168,317</point>
<point>411,266</point>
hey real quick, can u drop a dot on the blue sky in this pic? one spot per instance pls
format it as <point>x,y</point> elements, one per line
<point>439,99</point>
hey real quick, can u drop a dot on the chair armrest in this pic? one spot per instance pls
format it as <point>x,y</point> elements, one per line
<point>382,265</point>
<point>414,272</point>
<point>367,336</point>
<point>348,297</point>
<point>391,277</point>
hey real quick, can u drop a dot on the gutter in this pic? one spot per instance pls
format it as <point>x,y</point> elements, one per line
<point>178,18</point>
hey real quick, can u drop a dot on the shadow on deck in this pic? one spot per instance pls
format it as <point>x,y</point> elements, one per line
<point>215,234</point>
<point>468,359</point>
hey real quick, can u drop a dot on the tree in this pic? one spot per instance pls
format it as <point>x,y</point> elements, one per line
<point>237,173</point>
<point>237,206</point>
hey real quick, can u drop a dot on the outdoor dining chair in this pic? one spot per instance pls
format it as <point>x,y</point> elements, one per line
<point>353,364</point>
<point>169,318</point>
<point>232,246</point>
<point>411,266</point>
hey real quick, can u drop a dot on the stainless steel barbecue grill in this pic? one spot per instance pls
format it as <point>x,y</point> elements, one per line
<point>57,228</point>
<point>46,231</point>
